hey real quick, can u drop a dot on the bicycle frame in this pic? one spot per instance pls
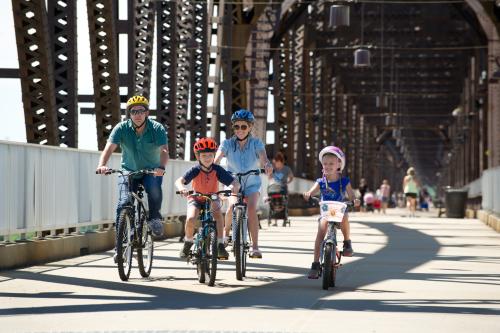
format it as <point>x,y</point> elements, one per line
<point>240,226</point>
<point>130,229</point>
<point>207,225</point>
<point>136,205</point>
<point>205,239</point>
<point>330,257</point>
<point>331,238</point>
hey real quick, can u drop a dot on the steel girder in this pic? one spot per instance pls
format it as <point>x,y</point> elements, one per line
<point>62,23</point>
<point>199,70</point>
<point>282,89</point>
<point>143,19</point>
<point>166,73</point>
<point>36,71</point>
<point>104,57</point>
<point>185,35</point>
<point>258,54</point>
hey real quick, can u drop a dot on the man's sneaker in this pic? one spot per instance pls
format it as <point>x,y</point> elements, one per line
<point>221,252</point>
<point>185,250</point>
<point>156,227</point>
<point>347,251</point>
<point>115,257</point>
<point>314,272</point>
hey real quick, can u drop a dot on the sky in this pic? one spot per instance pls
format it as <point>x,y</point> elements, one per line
<point>12,128</point>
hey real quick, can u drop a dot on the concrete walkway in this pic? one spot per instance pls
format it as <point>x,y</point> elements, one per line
<point>407,275</point>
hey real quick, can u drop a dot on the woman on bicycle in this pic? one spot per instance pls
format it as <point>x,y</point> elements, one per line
<point>332,187</point>
<point>243,153</point>
<point>205,177</point>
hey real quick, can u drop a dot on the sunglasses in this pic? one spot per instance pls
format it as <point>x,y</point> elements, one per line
<point>136,112</point>
<point>242,127</point>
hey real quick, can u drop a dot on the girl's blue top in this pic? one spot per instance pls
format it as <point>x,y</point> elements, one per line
<point>335,191</point>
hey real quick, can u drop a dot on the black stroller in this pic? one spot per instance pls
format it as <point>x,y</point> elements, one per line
<point>277,197</point>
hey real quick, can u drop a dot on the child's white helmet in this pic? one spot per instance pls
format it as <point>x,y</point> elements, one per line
<point>335,151</point>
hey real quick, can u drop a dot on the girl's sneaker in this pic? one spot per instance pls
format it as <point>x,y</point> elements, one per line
<point>314,271</point>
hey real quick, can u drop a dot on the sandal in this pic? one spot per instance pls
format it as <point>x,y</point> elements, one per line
<point>255,254</point>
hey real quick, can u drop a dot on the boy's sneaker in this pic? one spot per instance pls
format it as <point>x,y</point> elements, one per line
<point>314,272</point>
<point>185,250</point>
<point>222,254</point>
<point>347,251</point>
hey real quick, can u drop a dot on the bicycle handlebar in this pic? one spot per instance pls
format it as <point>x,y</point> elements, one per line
<point>253,172</point>
<point>132,173</point>
<point>349,203</point>
<point>210,196</point>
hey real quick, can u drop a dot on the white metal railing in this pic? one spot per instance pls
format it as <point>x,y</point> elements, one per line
<point>490,183</point>
<point>47,188</point>
<point>487,187</point>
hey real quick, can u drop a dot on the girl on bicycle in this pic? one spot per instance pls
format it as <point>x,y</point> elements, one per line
<point>332,187</point>
<point>243,153</point>
<point>205,177</point>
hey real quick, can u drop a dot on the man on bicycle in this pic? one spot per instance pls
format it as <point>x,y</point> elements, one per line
<point>144,146</point>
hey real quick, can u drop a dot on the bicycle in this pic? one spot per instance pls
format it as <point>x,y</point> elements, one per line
<point>240,226</point>
<point>132,231</point>
<point>330,256</point>
<point>204,253</point>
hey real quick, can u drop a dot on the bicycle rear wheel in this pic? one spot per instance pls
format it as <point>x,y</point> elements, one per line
<point>327,266</point>
<point>238,243</point>
<point>124,246</point>
<point>211,257</point>
<point>145,251</point>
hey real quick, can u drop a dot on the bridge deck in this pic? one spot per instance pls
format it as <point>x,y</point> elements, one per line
<point>406,273</point>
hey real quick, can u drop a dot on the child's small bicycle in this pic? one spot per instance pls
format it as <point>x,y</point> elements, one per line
<point>204,253</point>
<point>330,256</point>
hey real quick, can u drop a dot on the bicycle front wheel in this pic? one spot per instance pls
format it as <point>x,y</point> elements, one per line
<point>124,246</point>
<point>327,265</point>
<point>201,267</point>
<point>238,243</point>
<point>211,260</point>
<point>335,265</point>
<point>145,251</point>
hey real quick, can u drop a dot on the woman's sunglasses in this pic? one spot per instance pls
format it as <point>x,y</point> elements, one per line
<point>242,127</point>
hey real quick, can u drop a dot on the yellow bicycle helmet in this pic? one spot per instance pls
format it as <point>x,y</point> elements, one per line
<point>137,100</point>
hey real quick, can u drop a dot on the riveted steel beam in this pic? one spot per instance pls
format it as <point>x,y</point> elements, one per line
<point>36,71</point>
<point>257,60</point>
<point>143,18</point>
<point>104,57</point>
<point>183,72</point>
<point>166,73</point>
<point>62,23</point>
<point>199,70</point>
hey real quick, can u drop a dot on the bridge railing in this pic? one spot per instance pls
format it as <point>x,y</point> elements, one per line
<point>490,185</point>
<point>486,188</point>
<point>49,189</point>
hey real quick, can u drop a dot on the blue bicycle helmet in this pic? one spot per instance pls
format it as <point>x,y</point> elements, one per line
<point>244,115</point>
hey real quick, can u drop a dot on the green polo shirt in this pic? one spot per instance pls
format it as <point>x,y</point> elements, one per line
<point>139,151</point>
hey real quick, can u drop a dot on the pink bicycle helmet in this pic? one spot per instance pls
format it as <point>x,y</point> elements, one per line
<point>334,151</point>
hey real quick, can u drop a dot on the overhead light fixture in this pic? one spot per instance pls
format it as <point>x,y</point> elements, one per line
<point>362,54</point>
<point>362,57</point>
<point>339,14</point>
